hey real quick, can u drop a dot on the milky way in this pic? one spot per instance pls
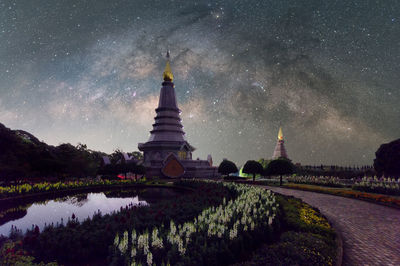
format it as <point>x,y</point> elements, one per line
<point>91,71</point>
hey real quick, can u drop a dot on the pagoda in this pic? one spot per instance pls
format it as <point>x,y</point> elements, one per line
<point>280,151</point>
<point>167,153</point>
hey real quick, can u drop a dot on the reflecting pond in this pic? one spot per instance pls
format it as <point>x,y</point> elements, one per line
<point>81,205</point>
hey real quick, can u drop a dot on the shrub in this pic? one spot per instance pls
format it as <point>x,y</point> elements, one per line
<point>227,167</point>
<point>296,248</point>
<point>74,242</point>
<point>217,236</point>
<point>387,159</point>
<point>307,239</point>
<point>253,167</point>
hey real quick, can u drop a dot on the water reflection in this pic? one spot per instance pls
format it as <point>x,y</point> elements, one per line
<point>52,211</point>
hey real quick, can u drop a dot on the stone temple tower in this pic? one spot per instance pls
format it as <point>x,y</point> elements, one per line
<point>167,153</point>
<point>280,150</point>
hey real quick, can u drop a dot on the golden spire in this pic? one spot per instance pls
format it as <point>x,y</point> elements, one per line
<point>280,134</point>
<point>167,75</point>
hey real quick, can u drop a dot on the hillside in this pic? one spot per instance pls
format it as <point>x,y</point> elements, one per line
<point>23,155</point>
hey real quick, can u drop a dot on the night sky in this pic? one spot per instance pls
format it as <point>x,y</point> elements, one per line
<point>91,71</point>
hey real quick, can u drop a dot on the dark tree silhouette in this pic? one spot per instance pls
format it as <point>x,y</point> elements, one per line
<point>140,170</point>
<point>253,167</point>
<point>136,154</point>
<point>227,167</point>
<point>280,167</point>
<point>387,161</point>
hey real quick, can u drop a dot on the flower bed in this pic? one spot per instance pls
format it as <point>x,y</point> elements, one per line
<point>308,238</point>
<point>89,241</point>
<point>380,199</point>
<point>217,224</point>
<point>27,188</point>
<point>388,186</point>
<point>316,180</point>
<point>217,236</point>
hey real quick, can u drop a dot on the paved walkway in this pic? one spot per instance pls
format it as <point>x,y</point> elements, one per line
<point>370,232</point>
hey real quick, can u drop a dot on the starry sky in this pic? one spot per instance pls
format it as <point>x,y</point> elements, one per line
<point>90,71</point>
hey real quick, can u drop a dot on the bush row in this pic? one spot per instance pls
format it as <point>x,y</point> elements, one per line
<point>218,236</point>
<point>88,241</point>
<point>28,188</point>
<point>307,238</point>
<point>375,198</point>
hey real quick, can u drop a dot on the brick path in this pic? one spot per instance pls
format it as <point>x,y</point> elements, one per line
<point>370,232</point>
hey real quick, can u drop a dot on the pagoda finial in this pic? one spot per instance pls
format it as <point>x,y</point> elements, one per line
<point>167,75</point>
<point>280,134</point>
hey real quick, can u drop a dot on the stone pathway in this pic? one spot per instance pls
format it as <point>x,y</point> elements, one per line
<point>370,232</point>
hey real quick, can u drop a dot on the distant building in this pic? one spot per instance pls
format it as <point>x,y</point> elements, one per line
<point>124,158</point>
<point>106,160</point>
<point>167,153</point>
<point>280,151</point>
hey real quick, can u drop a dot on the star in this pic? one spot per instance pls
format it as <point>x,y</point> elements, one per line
<point>326,72</point>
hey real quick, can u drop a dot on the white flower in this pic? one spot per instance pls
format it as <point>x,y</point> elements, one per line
<point>133,234</point>
<point>133,252</point>
<point>123,245</point>
<point>149,258</point>
<point>116,240</point>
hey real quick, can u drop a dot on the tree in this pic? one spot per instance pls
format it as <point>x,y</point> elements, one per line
<point>387,161</point>
<point>136,154</point>
<point>280,167</point>
<point>140,170</point>
<point>253,167</point>
<point>227,167</point>
<point>117,156</point>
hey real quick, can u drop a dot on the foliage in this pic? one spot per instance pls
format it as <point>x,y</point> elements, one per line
<point>73,241</point>
<point>264,162</point>
<point>253,167</point>
<point>235,178</point>
<point>140,170</point>
<point>29,188</point>
<point>243,175</point>
<point>12,254</point>
<point>387,159</point>
<point>308,238</point>
<point>301,217</point>
<point>380,199</point>
<point>316,180</point>
<point>216,224</point>
<point>279,166</point>
<point>24,156</point>
<point>267,182</point>
<point>227,167</point>
<point>295,248</point>
<point>388,186</point>
<point>341,172</point>
<point>137,155</point>
<point>216,236</point>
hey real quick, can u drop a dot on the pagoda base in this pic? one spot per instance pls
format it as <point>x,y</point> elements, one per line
<point>193,169</point>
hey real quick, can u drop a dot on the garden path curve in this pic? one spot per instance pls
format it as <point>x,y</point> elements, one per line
<point>370,232</point>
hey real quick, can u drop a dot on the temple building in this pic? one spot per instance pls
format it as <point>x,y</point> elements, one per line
<point>280,151</point>
<point>167,153</point>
